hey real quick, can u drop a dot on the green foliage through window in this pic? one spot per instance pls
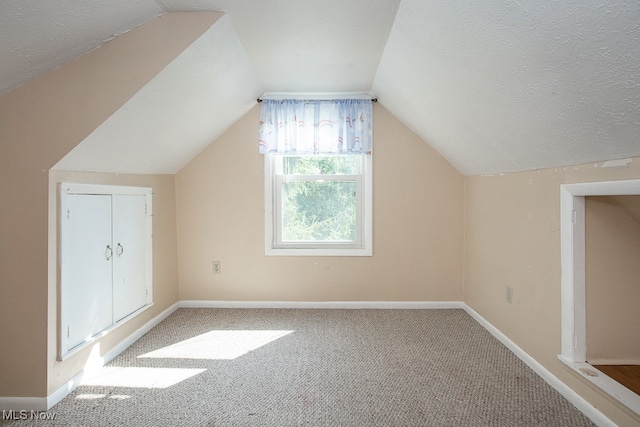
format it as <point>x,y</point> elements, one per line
<point>319,211</point>
<point>316,207</point>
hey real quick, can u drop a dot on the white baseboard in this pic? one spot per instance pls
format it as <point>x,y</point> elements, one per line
<point>397,305</point>
<point>64,390</point>
<point>45,403</point>
<point>580,403</point>
<point>23,403</point>
<point>40,403</point>
<point>122,346</point>
<point>607,384</point>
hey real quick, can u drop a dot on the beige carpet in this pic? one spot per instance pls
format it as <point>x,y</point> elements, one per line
<point>246,367</point>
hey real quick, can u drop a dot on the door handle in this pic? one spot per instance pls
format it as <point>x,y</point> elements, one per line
<point>108,253</point>
<point>119,250</point>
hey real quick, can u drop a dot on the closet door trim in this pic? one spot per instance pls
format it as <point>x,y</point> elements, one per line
<point>65,190</point>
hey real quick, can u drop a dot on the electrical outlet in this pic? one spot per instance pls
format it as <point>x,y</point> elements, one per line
<point>509,294</point>
<point>216,267</point>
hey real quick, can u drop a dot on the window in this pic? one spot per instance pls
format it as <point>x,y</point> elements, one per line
<point>317,177</point>
<point>318,204</point>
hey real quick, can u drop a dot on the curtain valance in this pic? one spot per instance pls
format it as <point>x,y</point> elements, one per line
<point>316,127</point>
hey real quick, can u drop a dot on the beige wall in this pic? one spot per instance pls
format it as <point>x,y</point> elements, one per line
<point>426,216</point>
<point>417,226</point>
<point>612,250</point>
<point>513,239</point>
<point>39,123</point>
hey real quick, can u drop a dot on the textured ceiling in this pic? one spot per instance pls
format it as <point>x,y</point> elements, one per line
<point>506,86</point>
<point>494,87</point>
<point>39,35</point>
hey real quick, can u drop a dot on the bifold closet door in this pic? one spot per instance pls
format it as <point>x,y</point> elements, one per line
<point>130,252</point>
<point>87,254</point>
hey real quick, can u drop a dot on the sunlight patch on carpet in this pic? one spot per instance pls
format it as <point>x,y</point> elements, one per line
<point>91,396</point>
<point>218,345</point>
<point>140,377</point>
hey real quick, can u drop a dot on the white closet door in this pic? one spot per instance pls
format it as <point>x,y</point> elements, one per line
<point>129,262</point>
<point>86,253</point>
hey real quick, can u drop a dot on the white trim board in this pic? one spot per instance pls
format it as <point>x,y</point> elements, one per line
<point>352,305</point>
<point>45,403</point>
<point>40,404</point>
<point>580,403</point>
<point>606,383</point>
<point>573,292</point>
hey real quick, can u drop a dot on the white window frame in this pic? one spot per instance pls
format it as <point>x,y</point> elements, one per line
<point>364,223</point>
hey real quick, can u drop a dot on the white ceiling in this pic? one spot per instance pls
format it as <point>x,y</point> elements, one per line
<point>39,35</point>
<point>500,86</point>
<point>177,114</point>
<point>310,45</point>
<point>494,86</point>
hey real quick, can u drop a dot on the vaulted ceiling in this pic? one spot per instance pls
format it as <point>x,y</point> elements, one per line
<point>494,86</point>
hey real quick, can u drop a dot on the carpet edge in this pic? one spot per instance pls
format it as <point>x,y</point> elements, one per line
<point>568,393</point>
<point>350,305</point>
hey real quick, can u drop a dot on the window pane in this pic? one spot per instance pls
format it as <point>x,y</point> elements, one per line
<point>323,211</point>
<point>320,165</point>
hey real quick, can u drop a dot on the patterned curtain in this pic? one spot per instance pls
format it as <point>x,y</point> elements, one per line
<point>316,127</point>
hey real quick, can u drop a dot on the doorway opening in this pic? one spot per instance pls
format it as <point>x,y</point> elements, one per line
<point>612,245</point>
<point>582,343</point>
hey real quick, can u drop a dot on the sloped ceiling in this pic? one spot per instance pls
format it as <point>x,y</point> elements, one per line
<point>310,45</point>
<point>494,86</point>
<point>176,114</point>
<point>629,204</point>
<point>504,86</point>
<point>39,35</point>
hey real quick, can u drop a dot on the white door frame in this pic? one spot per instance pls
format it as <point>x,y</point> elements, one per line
<point>573,296</point>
